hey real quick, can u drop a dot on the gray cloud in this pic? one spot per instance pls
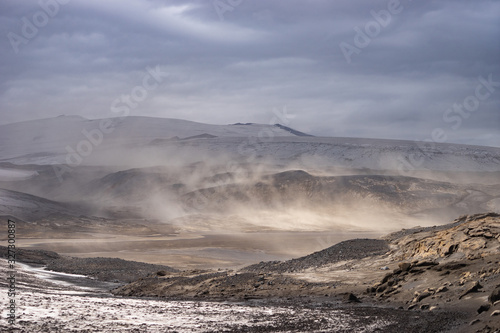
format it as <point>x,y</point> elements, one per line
<point>263,55</point>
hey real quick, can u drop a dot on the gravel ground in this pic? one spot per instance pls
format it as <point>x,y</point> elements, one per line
<point>48,305</point>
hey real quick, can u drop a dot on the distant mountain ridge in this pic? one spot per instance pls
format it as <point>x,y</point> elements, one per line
<point>51,136</point>
<point>52,141</point>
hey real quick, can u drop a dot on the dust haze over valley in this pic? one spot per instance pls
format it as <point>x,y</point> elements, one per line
<point>191,195</point>
<point>250,166</point>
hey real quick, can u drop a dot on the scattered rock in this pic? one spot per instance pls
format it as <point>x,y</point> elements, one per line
<point>351,298</point>
<point>373,288</point>
<point>386,278</point>
<point>426,263</point>
<point>472,289</point>
<point>390,291</point>
<point>404,266</point>
<point>483,308</point>
<point>451,266</point>
<point>475,321</point>
<point>381,288</point>
<point>494,296</point>
<point>415,270</point>
<point>441,289</point>
<point>452,248</point>
<point>421,296</point>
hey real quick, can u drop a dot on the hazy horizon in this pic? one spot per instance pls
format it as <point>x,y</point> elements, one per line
<point>223,124</point>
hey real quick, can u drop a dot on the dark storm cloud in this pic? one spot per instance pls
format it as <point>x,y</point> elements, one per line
<point>231,61</point>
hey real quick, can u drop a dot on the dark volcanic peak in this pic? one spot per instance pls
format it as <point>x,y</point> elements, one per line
<point>292,175</point>
<point>291,130</point>
<point>201,136</point>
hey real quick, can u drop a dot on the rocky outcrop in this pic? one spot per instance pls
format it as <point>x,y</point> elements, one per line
<point>469,237</point>
<point>452,266</point>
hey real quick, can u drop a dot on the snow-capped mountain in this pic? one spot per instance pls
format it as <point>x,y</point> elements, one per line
<point>56,140</point>
<point>46,141</point>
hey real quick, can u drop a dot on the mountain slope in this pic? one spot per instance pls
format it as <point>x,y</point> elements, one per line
<point>143,141</point>
<point>299,189</point>
<point>43,141</point>
<point>29,207</point>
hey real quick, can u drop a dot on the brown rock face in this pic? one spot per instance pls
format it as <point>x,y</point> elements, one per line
<point>471,237</point>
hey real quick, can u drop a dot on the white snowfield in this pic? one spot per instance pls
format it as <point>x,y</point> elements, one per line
<point>51,141</point>
<point>46,137</point>
<point>15,175</point>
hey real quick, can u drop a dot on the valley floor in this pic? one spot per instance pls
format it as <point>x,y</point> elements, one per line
<point>47,302</point>
<point>436,279</point>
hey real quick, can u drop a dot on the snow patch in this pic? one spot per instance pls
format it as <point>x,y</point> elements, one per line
<point>7,175</point>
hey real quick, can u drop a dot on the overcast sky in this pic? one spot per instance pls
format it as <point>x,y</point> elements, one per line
<point>379,69</point>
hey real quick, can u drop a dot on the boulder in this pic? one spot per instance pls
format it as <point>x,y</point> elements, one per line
<point>495,295</point>
<point>474,288</point>
<point>404,266</point>
<point>426,263</point>
<point>420,296</point>
<point>441,289</point>
<point>382,288</point>
<point>425,307</point>
<point>483,308</point>
<point>351,298</point>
